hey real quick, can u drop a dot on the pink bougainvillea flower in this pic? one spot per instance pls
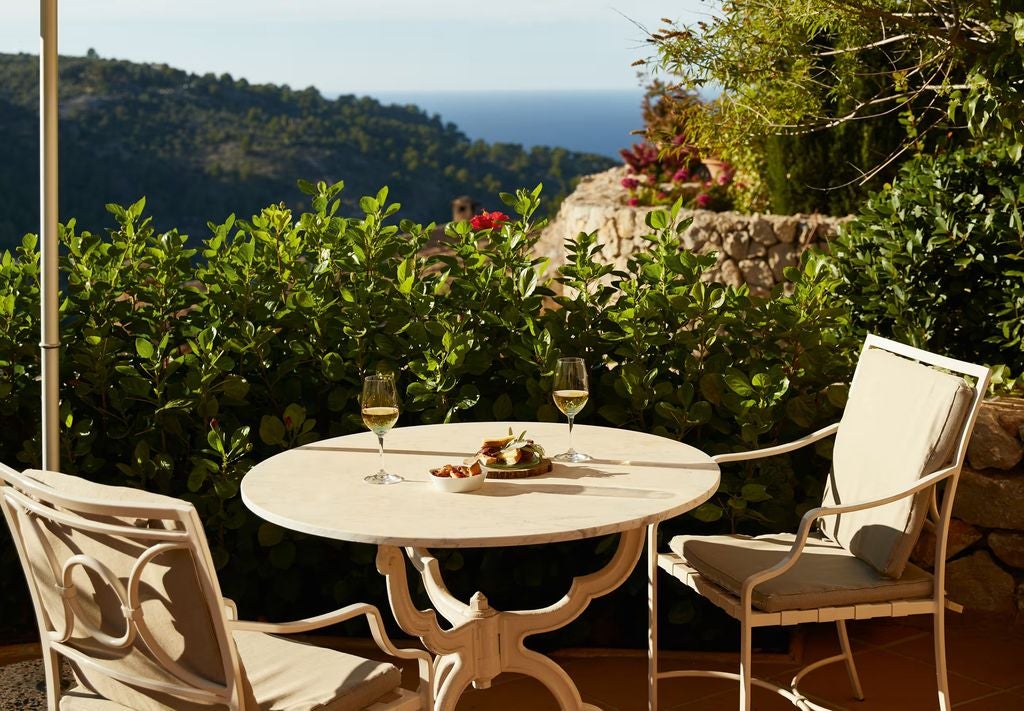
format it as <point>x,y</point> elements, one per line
<point>681,176</point>
<point>630,183</point>
<point>724,178</point>
<point>633,202</point>
<point>488,220</point>
<point>703,200</point>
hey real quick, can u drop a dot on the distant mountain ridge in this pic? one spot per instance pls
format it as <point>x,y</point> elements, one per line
<point>202,147</point>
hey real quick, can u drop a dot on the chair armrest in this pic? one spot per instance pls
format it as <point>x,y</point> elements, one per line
<point>778,449</point>
<point>813,515</point>
<point>922,484</point>
<point>372,614</point>
<point>380,636</point>
<point>230,609</point>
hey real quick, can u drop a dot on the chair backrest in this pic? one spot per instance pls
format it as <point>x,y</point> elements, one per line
<point>124,588</point>
<point>909,414</point>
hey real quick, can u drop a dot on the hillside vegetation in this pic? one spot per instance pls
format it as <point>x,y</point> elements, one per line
<point>202,147</point>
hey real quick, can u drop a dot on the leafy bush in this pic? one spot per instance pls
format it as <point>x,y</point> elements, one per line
<point>937,258</point>
<point>182,369</point>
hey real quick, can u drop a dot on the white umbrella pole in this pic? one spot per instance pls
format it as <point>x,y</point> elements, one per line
<point>49,286</point>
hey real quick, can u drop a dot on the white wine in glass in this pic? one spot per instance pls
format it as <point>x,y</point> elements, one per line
<point>379,407</point>
<point>570,392</point>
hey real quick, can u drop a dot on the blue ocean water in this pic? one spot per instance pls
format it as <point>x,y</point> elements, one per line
<point>590,121</point>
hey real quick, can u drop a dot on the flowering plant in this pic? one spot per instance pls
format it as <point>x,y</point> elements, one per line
<point>488,220</point>
<point>668,165</point>
<point>661,177</point>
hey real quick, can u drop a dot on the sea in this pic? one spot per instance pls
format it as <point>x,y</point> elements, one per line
<point>600,122</point>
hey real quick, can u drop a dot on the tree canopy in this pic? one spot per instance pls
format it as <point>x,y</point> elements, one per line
<point>945,70</point>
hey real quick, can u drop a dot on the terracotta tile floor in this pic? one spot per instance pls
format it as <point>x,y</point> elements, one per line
<point>894,658</point>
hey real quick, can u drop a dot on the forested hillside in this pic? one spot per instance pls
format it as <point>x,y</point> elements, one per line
<point>202,147</point>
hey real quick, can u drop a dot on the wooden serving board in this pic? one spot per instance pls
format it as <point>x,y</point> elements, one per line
<point>541,467</point>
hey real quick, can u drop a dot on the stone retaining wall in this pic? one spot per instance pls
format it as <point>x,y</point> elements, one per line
<point>985,549</point>
<point>752,249</point>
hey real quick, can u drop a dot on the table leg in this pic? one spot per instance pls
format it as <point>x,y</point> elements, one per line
<point>484,642</point>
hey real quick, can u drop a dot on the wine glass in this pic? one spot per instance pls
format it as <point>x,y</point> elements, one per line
<point>570,393</point>
<point>379,406</point>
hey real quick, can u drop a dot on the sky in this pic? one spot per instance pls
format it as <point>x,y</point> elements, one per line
<point>361,46</point>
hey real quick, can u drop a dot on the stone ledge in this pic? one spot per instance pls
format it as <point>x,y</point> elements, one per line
<point>752,249</point>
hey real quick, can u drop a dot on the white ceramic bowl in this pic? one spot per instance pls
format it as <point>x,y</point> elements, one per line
<point>455,485</point>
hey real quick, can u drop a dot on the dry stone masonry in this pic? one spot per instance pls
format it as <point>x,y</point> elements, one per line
<point>752,249</point>
<point>986,536</point>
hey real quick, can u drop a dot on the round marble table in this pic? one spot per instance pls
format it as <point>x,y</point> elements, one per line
<point>635,480</point>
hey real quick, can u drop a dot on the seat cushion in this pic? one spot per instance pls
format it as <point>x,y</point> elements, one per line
<point>291,676</point>
<point>79,698</point>
<point>825,575</point>
<point>902,422</point>
<point>286,675</point>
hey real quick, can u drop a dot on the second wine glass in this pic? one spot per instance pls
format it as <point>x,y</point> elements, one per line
<point>571,391</point>
<point>379,407</point>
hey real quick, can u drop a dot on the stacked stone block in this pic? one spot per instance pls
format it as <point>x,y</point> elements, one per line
<point>985,550</point>
<point>752,249</point>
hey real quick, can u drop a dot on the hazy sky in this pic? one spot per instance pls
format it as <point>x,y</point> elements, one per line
<point>365,46</point>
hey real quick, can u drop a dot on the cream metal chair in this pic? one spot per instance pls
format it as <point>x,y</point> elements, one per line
<point>124,589</point>
<point>904,431</point>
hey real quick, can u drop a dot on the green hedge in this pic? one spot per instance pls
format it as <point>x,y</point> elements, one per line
<point>181,369</point>
<point>937,258</point>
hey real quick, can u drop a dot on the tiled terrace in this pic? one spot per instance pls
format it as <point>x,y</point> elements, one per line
<point>894,657</point>
<point>986,663</point>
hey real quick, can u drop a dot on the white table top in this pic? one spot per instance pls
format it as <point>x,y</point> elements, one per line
<point>635,479</point>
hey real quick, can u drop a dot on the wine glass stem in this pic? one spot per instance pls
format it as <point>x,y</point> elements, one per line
<point>571,450</point>
<point>380,447</point>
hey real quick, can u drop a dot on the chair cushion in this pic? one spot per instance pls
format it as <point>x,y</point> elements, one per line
<point>285,675</point>
<point>901,422</point>
<point>291,676</point>
<point>825,574</point>
<point>79,698</point>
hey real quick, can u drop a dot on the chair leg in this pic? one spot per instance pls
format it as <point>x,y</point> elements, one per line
<point>746,673</point>
<point>51,667</point>
<point>945,703</point>
<point>851,668</point>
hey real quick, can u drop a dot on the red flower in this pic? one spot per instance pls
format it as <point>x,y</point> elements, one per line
<point>681,175</point>
<point>630,183</point>
<point>703,200</point>
<point>488,220</point>
<point>633,202</point>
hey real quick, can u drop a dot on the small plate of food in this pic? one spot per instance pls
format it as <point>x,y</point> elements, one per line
<point>458,478</point>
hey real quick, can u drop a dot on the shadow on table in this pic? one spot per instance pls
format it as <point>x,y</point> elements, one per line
<point>501,488</point>
<point>563,471</point>
<point>388,450</point>
<point>700,466</point>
